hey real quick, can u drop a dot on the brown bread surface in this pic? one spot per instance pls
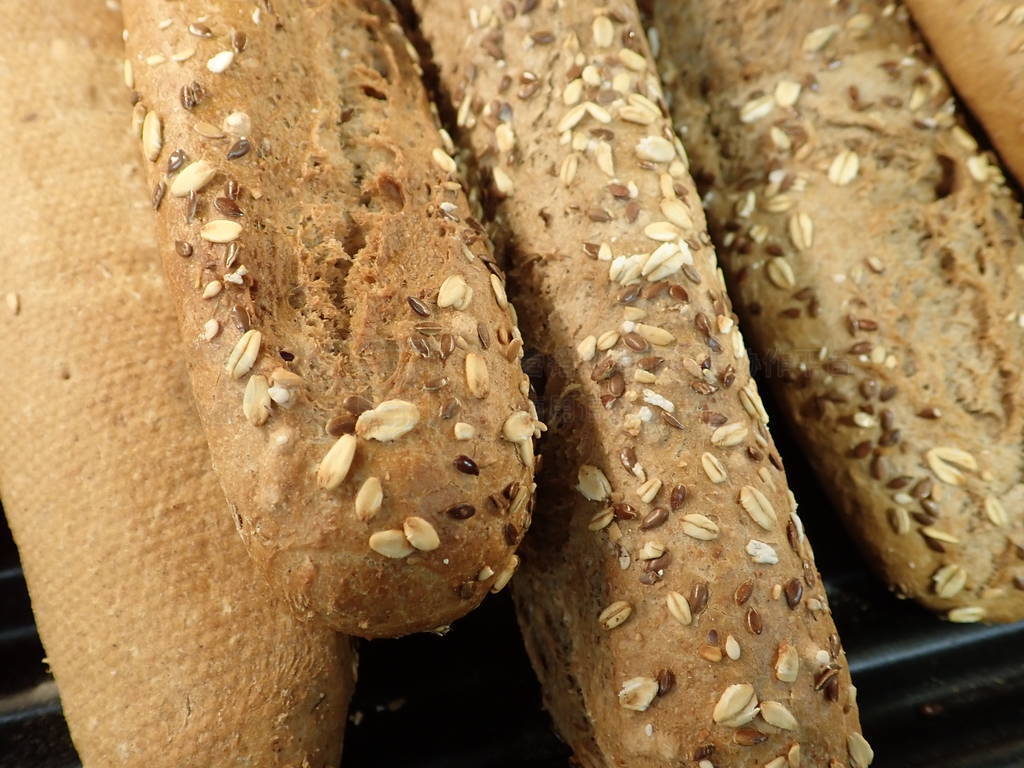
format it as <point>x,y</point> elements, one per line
<point>365,276</point>
<point>980,45</point>
<point>878,260</point>
<point>657,610</point>
<point>167,649</point>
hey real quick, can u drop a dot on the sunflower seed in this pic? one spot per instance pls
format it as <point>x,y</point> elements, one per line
<point>455,293</point>
<point>336,463</point>
<point>946,463</point>
<point>505,574</point>
<point>192,178</point>
<point>729,435</point>
<point>256,400</point>
<point>615,614</point>
<point>736,706</point>
<point>776,714</point>
<point>369,498</point>
<point>655,149</point>
<point>844,168</point>
<point>700,527</point>
<point>212,289</point>
<point>443,160</point>
<point>967,614</point>
<point>243,354</point>
<point>391,544</point>
<point>632,60</point>
<point>787,92</point>
<point>861,753</point>
<point>713,468</point>
<point>421,534</point>
<point>592,483</point>
<point>818,38</point>
<point>388,421</point>
<point>787,663</point>
<point>655,335</point>
<point>152,136</point>
<point>732,648</point>
<point>518,427</point>
<point>678,608</point>
<point>499,291</point>
<point>758,507</point>
<point>220,231</point>
<point>637,693</point>
<point>219,62</point>
<point>477,377</point>
<point>603,31</point>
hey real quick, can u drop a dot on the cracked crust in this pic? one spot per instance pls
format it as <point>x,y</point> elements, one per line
<point>892,325</point>
<point>316,125</point>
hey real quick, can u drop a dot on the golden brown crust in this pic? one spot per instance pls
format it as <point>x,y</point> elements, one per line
<point>365,276</point>
<point>877,258</point>
<point>980,45</point>
<point>166,648</point>
<point>666,564</point>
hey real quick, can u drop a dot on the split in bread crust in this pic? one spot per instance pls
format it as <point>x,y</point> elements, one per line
<point>353,355</point>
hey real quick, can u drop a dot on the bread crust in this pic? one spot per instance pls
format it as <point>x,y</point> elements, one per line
<point>367,280</point>
<point>656,576</point>
<point>980,45</point>
<point>167,649</point>
<point>878,259</point>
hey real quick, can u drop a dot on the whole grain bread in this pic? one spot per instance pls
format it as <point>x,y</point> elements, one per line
<point>980,45</point>
<point>668,597</point>
<point>876,256</point>
<point>166,648</point>
<point>354,359</point>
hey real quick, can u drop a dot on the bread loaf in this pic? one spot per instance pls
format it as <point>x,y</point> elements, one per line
<point>669,600</point>
<point>353,356</point>
<point>167,650</point>
<point>980,45</point>
<point>876,256</point>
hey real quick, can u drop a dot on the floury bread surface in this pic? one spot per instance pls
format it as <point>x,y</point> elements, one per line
<point>354,360</point>
<point>669,600</point>
<point>166,647</point>
<point>877,257</point>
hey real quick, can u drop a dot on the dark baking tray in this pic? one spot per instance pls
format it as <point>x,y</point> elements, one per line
<point>931,693</point>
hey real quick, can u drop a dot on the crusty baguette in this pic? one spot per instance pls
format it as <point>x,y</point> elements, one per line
<point>667,594</point>
<point>381,330</point>
<point>877,259</point>
<point>167,650</point>
<point>980,45</point>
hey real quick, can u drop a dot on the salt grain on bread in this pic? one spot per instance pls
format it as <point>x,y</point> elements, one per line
<point>166,647</point>
<point>668,598</point>
<point>365,279</point>
<point>878,259</point>
<point>979,44</point>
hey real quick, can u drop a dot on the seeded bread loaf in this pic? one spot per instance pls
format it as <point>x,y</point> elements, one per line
<point>980,45</point>
<point>876,256</point>
<point>166,649</point>
<point>669,600</point>
<point>354,359</point>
